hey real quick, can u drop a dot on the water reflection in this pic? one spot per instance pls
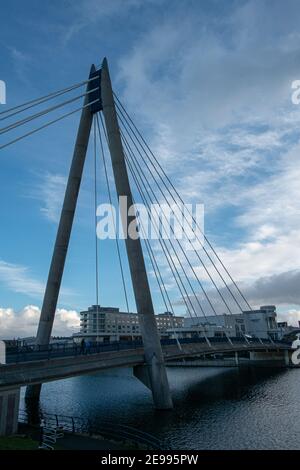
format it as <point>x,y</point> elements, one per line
<point>214,408</point>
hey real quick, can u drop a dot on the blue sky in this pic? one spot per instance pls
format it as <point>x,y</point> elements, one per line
<point>209,84</point>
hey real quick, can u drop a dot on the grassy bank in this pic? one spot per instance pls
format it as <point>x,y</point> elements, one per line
<point>17,443</point>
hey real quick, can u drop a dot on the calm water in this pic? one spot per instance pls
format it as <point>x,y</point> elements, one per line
<point>214,408</point>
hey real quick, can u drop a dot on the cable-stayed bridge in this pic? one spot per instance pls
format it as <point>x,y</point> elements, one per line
<point>194,270</point>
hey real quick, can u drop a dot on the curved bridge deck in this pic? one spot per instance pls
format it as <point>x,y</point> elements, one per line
<point>30,367</point>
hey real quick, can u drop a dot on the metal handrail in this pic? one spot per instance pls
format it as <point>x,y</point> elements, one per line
<point>119,432</point>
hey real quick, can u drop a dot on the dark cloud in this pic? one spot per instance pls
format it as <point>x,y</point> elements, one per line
<point>279,289</point>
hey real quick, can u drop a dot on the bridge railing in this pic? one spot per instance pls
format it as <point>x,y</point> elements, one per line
<point>56,350</point>
<point>113,431</point>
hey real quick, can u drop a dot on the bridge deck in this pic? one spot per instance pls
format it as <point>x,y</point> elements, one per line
<point>40,371</point>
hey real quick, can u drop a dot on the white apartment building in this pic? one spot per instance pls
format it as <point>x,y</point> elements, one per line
<point>110,324</point>
<point>260,323</point>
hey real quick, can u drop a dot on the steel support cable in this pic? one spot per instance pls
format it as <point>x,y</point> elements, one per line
<point>157,272</point>
<point>95,226</point>
<point>133,172</point>
<point>168,307</point>
<point>10,127</point>
<point>148,247</point>
<point>195,251</point>
<point>200,259</point>
<point>182,268</point>
<point>121,107</point>
<point>170,263</point>
<point>162,243</point>
<point>195,296</point>
<point>228,338</point>
<point>46,125</point>
<point>160,283</point>
<point>110,201</point>
<point>155,266</point>
<point>139,170</point>
<point>164,248</point>
<point>142,174</point>
<point>30,104</point>
<point>159,280</point>
<point>104,131</point>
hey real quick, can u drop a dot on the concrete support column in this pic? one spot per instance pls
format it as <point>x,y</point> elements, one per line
<point>9,411</point>
<point>286,358</point>
<point>153,353</point>
<point>2,352</point>
<point>236,356</point>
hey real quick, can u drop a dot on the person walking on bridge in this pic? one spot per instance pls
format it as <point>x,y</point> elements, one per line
<point>82,346</point>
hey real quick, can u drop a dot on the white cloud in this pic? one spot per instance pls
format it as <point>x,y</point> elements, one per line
<point>291,316</point>
<point>192,72</point>
<point>190,78</point>
<point>50,192</point>
<point>21,62</point>
<point>254,259</point>
<point>24,323</point>
<point>87,12</point>
<point>18,279</point>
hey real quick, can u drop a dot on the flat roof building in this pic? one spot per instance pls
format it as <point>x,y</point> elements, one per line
<point>110,324</point>
<point>260,323</point>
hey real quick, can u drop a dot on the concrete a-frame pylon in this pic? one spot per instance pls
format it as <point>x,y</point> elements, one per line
<point>153,374</point>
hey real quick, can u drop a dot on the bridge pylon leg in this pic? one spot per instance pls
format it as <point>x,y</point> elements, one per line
<point>153,352</point>
<point>63,233</point>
